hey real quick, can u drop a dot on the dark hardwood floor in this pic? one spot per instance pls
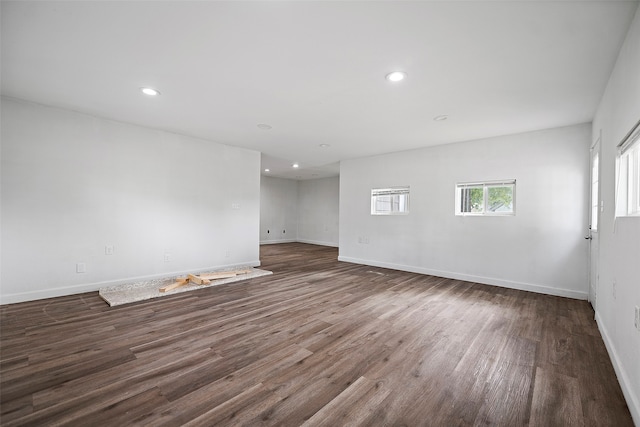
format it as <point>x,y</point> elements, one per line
<point>319,342</point>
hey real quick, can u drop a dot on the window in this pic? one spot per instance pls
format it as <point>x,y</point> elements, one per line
<point>628,176</point>
<point>390,201</point>
<point>486,198</point>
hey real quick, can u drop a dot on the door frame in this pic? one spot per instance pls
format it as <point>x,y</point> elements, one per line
<point>593,232</point>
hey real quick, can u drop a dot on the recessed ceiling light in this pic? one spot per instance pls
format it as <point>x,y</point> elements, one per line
<point>149,91</point>
<point>441,118</point>
<point>396,76</point>
<point>295,165</point>
<point>324,146</point>
<point>267,170</point>
<point>264,126</point>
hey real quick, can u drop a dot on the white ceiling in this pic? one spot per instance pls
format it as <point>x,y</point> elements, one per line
<point>314,71</point>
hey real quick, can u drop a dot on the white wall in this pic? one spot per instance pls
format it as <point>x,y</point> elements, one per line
<point>318,207</point>
<point>540,249</point>
<point>278,210</point>
<point>307,210</point>
<point>619,243</point>
<point>73,183</point>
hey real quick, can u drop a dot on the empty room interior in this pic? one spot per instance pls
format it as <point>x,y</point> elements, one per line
<point>373,213</point>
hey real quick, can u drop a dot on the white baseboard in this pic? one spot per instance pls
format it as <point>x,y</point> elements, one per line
<point>318,242</point>
<point>95,286</point>
<point>307,241</point>
<point>633,400</point>
<point>470,278</point>
<point>275,242</point>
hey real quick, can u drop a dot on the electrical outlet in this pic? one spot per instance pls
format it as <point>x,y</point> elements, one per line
<point>81,267</point>
<point>167,257</point>
<point>227,253</point>
<point>637,318</point>
<point>235,206</point>
<point>108,250</point>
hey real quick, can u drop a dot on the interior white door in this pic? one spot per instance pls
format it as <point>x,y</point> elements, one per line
<point>594,217</point>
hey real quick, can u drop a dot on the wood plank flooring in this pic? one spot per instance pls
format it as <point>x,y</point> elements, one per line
<point>318,343</point>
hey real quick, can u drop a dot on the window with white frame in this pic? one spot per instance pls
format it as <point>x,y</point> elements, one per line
<point>486,198</point>
<point>628,174</point>
<point>390,201</point>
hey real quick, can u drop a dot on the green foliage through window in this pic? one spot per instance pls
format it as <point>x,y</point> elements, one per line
<point>500,199</point>
<point>472,200</point>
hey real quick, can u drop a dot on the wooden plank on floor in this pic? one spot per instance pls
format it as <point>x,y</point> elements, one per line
<point>174,285</point>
